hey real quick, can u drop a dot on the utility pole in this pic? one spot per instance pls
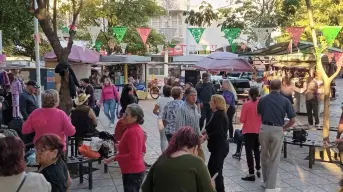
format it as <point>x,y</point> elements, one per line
<point>38,78</point>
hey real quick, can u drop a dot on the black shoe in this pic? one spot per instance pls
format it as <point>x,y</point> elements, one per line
<point>258,174</point>
<point>231,140</point>
<point>236,156</point>
<point>249,178</point>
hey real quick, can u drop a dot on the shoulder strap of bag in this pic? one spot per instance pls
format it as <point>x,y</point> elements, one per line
<point>22,182</point>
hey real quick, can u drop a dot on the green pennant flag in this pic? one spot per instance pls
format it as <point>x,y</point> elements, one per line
<point>98,45</point>
<point>233,47</point>
<point>330,33</point>
<point>231,34</point>
<point>197,33</point>
<point>119,32</point>
<point>65,29</point>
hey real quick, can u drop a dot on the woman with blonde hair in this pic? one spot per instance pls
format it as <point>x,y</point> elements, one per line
<point>230,97</point>
<point>49,119</point>
<point>216,134</point>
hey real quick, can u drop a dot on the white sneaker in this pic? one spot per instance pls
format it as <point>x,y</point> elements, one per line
<point>273,190</point>
<point>112,125</point>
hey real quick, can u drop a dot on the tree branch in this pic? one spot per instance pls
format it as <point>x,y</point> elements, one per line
<point>54,17</point>
<point>72,33</point>
<point>339,67</point>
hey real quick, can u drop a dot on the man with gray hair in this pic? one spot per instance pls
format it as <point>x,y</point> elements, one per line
<point>188,114</point>
<point>273,108</point>
<point>205,91</point>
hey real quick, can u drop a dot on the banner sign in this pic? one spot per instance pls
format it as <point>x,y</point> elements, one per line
<point>295,33</point>
<point>330,33</point>
<point>144,33</point>
<point>197,33</point>
<point>119,33</point>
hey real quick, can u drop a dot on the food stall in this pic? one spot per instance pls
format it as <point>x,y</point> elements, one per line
<point>123,68</point>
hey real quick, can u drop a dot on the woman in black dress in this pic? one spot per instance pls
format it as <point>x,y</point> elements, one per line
<point>216,134</point>
<point>127,97</point>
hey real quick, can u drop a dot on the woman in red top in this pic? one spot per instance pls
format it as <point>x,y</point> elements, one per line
<point>131,149</point>
<point>251,129</point>
<point>109,98</point>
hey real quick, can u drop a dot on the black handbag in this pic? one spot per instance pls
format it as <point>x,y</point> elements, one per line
<point>300,135</point>
<point>16,124</point>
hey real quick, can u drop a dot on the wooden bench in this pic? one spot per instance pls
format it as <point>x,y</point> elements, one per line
<point>78,160</point>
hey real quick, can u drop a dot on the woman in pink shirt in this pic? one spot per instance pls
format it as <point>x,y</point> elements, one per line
<point>109,98</point>
<point>49,119</point>
<point>251,129</point>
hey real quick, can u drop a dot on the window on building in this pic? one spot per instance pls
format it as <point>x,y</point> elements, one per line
<point>156,70</point>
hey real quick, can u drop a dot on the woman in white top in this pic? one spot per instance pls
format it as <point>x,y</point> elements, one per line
<point>158,110</point>
<point>12,173</point>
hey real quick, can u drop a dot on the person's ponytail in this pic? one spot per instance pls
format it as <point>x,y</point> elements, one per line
<point>253,93</point>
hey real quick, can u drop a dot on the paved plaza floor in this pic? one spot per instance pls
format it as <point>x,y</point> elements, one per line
<point>293,175</point>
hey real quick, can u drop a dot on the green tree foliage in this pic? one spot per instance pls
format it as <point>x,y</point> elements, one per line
<point>251,13</point>
<point>325,13</point>
<point>17,28</point>
<point>202,18</point>
<point>128,13</point>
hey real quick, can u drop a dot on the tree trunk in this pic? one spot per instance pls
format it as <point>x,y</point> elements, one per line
<point>326,118</point>
<point>321,72</point>
<point>66,102</point>
<point>62,54</point>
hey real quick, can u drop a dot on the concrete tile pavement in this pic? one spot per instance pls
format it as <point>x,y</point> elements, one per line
<point>293,174</point>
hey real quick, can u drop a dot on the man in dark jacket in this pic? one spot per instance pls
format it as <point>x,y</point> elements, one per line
<point>205,91</point>
<point>28,101</point>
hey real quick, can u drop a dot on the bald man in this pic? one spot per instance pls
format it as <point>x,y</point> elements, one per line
<point>273,109</point>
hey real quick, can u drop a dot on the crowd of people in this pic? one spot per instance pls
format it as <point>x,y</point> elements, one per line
<point>186,118</point>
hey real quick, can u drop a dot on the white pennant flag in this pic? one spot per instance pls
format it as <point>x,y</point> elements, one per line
<point>93,32</point>
<point>262,35</point>
<point>160,48</point>
<point>123,47</point>
<point>169,33</point>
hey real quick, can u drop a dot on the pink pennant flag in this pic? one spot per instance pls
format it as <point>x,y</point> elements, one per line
<point>295,33</point>
<point>72,27</point>
<point>144,33</point>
